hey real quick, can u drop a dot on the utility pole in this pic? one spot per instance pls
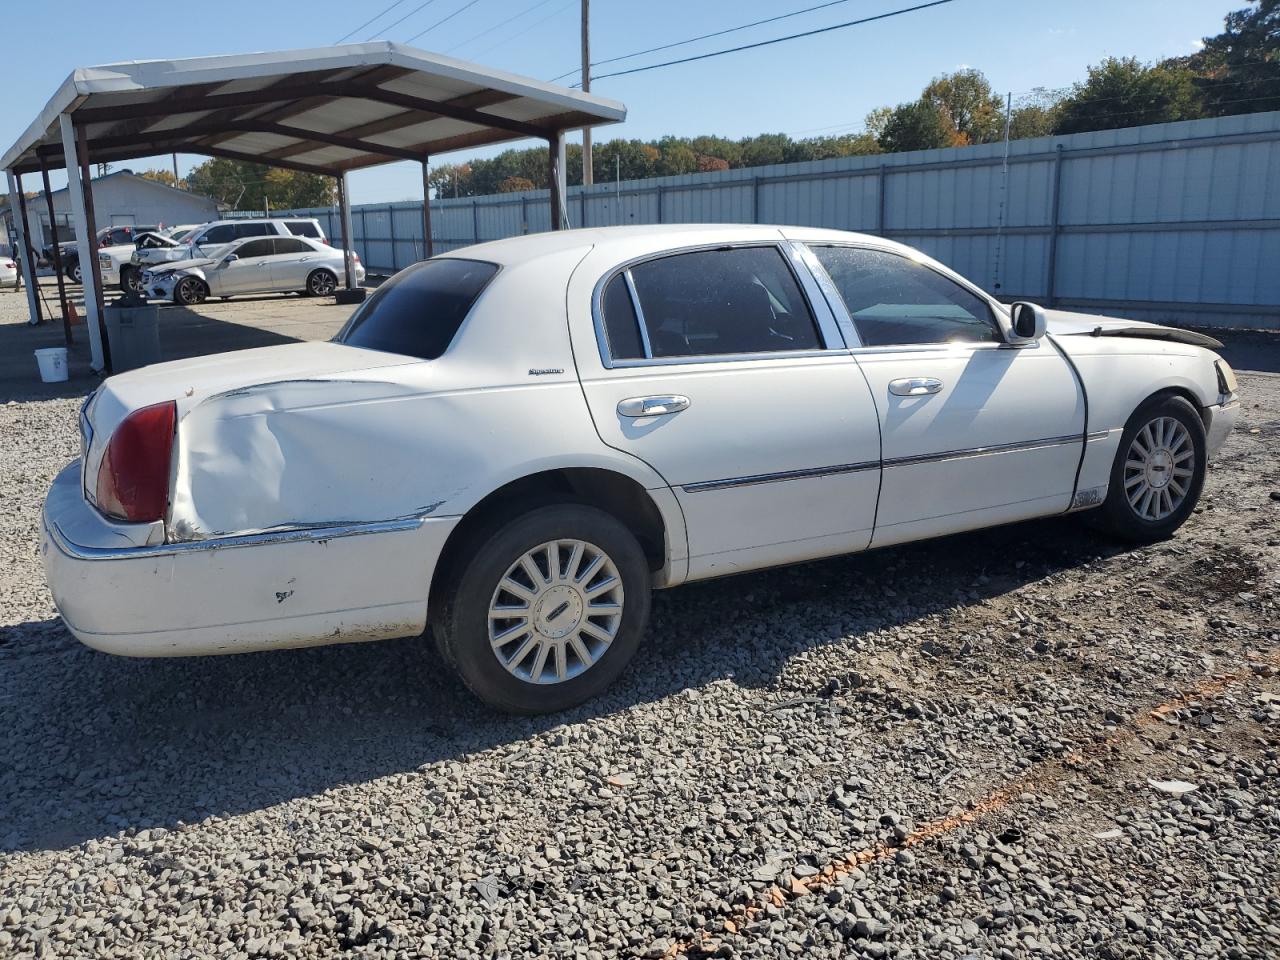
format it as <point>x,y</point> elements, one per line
<point>586,88</point>
<point>176,178</point>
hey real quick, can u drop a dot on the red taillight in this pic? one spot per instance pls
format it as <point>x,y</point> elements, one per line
<point>133,480</point>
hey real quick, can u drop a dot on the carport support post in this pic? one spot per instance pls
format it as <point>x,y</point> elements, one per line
<point>344,212</point>
<point>557,180</point>
<point>84,238</point>
<point>18,206</point>
<point>57,253</point>
<point>428,244</point>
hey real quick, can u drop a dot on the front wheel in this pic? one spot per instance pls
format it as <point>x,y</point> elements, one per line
<point>546,609</point>
<point>190,291</point>
<point>1158,472</point>
<point>130,280</point>
<point>74,274</point>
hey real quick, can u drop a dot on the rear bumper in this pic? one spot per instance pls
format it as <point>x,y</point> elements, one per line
<point>1220,420</point>
<point>288,588</point>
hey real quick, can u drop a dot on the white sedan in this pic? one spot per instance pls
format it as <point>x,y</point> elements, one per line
<point>515,442</point>
<point>251,265</point>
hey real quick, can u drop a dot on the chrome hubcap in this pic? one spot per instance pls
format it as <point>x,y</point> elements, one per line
<point>1158,468</point>
<point>555,611</point>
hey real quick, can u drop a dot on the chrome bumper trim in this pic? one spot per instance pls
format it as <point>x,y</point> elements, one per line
<point>316,533</point>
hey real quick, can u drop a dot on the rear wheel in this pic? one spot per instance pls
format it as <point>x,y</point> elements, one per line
<point>546,609</point>
<point>73,272</point>
<point>1158,472</point>
<point>321,283</point>
<point>190,291</point>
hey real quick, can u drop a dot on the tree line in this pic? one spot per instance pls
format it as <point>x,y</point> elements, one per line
<point>1236,71</point>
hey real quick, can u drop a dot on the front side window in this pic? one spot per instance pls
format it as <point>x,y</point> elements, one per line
<point>223,233</point>
<point>303,228</point>
<point>732,300</point>
<point>896,301</point>
<point>419,310</point>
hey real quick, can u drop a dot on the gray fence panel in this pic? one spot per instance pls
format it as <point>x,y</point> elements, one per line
<point>1179,221</point>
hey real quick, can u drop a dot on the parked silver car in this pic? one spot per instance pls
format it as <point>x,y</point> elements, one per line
<point>251,265</point>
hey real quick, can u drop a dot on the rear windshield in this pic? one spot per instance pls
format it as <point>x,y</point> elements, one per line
<point>418,311</point>
<point>302,228</point>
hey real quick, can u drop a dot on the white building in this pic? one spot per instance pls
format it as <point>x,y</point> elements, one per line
<point>122,199</point>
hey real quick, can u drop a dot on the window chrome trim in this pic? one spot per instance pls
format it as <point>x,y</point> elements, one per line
<point>825,332</point>
<point>285,535</point>
<point>826,286</point>
<point>630,281</point>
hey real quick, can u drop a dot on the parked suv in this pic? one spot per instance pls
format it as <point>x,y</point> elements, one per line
<point>213,239</point>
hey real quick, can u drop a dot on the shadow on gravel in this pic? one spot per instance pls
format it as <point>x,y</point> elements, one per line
<point>94,744</point>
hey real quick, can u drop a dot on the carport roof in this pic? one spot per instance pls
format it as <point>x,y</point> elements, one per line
<point>325,110</point>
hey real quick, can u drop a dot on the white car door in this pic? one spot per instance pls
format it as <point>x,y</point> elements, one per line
<point>975,431</point>
<point>292,262</point>
<point>250,272</point>
<point>716,368</point>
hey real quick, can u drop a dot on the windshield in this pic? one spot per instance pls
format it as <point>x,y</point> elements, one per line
<point>419,310</point>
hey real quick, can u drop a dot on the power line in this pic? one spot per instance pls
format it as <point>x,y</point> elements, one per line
<point>767,43</point>
<point>465,6</point>
<point>705,36</point>
<point>537,23</point>
<point>499,24</point>
<point>420,6</point>
<point>371,19</point>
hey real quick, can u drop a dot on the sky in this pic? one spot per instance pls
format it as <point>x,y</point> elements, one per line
<point>807,87</point>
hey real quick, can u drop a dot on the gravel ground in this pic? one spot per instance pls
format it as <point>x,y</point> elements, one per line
<point>1025,742</point>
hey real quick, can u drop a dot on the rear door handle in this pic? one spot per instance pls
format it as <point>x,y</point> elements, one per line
<point>652,406</point>
<point>914,386</point>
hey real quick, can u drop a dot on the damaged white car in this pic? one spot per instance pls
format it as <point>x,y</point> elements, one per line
<point>516,442</point>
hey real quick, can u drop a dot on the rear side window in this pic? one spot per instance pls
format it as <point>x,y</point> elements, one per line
<point>419,310</point>
<point>290,245</point>
<point>727,301</point>
<point>254,229</point>
<point>893,300</point>
<point>620,323</point>
<point>303,228</point>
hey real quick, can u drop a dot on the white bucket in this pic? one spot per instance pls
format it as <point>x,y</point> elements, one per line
<point>53,364</point>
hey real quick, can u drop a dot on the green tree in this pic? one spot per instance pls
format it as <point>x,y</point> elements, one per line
<point>1122,92</point>
<point>966,98</point>
<point>765,149</point>
<point>675,156</point>
<point>1239,69</point>
<point>921,125</point>
<point>163,176</point>
<point>254,186</point>
<point>877,120</point>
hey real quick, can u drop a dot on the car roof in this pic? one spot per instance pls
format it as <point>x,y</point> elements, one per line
<point>521,249</point>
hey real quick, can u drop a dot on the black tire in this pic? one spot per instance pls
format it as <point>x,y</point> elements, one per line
<point>190,291</point>
<point>73,272</point>
<point>130,280</point>
<point>460,609</point>
<point>321,283</point>
<point>1121,518</point>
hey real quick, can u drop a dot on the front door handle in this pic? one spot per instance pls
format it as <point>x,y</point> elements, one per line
<point>652,406</point>
<point>914,386</point>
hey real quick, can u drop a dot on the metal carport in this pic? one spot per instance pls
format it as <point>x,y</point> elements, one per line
<point>327,111</point>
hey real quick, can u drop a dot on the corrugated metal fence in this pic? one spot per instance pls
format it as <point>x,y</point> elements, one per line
<point>1176,221</point>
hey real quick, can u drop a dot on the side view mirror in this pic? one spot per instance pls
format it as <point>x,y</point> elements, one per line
<point>230,258</point>
<point>1028,320</point>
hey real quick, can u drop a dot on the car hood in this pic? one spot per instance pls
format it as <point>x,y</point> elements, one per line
<point>188,264</point>
<point>1063,323</point>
